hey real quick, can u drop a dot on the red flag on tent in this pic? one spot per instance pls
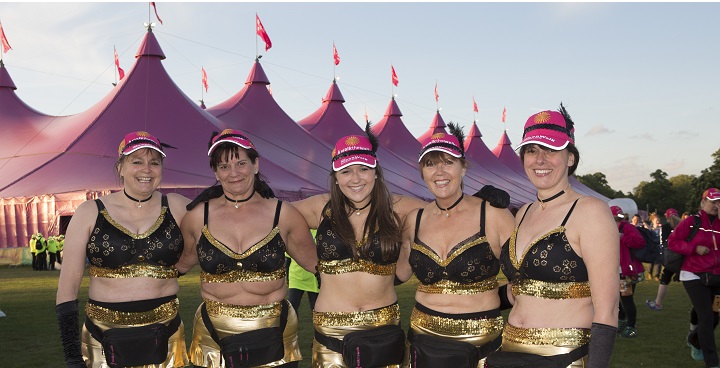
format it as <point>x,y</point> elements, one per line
<point>394,76</point>
<point>504,114</point>
<point>204,78</point>
<point>437,97</point>
<point>261,32</point>
<point>5,43</point>
<point>156,14</point>
<point>336,57</point>
<point>474,105</point>
<point>121,73</point>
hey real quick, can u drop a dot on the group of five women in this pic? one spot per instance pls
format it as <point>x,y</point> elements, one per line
<point>139,241</point>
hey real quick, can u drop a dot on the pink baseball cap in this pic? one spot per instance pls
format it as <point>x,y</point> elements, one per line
<point>137,140</point>
<point>617,212</point>
<point>547,128</point>
<point>231,136</point>
<point>442,142</point>
<point>712,194</point>
<point>671,212</point>
<point>352,150</point>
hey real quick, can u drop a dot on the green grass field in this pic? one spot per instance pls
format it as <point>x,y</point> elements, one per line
<point>29,336</point>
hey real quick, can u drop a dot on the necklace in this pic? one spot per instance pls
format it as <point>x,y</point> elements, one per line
<point>543,201</point>
<point>357,210</point>
<point>238,201</point>
<point>139,201</point>
<point>447,210</point>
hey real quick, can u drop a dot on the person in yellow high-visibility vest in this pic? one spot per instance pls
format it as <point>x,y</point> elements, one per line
<point>52,251</point>
<point>41,248</point>
<point>33,251</point>
<point>61,244</point>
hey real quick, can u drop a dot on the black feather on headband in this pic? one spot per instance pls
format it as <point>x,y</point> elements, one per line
<point>210,142</point>
<point>457,131</point>
<point>371,137</point>
<point>569,124</point>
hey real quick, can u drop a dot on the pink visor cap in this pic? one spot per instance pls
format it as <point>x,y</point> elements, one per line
<point>230,136</point>
<point>547,128</point>
<point>353,150</point>
<point>671,212</point>
<point>137,140</point>
<point>712,194</point>
<point>617,212</point>
<point>441,142</point>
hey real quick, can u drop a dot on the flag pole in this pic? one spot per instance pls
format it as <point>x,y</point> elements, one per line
<point>334,66</point>
<point>115,71</point>
<point>257,53</point>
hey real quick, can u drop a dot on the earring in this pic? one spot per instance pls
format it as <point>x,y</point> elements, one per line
<point>375,176</point>
<point>256,172</point>
<point>336,183</point>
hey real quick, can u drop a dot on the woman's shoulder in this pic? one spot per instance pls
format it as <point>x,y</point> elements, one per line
<point>403,205</point>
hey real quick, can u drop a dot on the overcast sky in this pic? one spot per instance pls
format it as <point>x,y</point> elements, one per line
<point>640,80</point>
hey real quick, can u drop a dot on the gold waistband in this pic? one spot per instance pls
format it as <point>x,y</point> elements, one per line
<point>135,270</point>
<point>452,326</point>
<point>163,312</point>
<point>348,265</point>
<point>243,276</point>
<point>546,336</point>
<point>370,317</point>
<point>217,309</point>
<point>445,286</point>
<point>552,290</point>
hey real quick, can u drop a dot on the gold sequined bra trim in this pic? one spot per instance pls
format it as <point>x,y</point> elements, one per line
<point>216,309</point>
<point>163,312</point>
<point>370,317</point>
<point>243,276</point>
<point>348,265</point>
<point>552,290</point>
<point>129,233</point>
<point>513,246</point>
<point>445,286</point>
<point>230,253</point>
<point>457,252</point>
<point>451,326</point>
<point>546,336</point>
<point>135,270</point>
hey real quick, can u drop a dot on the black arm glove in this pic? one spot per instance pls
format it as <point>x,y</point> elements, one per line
<point>68,323</point>
<point>602,339</point>
<point>397,281</point>
<point>498,198</point>
<point>504,300</point>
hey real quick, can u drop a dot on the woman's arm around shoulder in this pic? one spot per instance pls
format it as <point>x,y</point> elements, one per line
<point>600,249</point>
<point>499,225</point>
<point>191,228</point>
<point>403,271</point>
<point>177,204</point>
<point>76,239</point>
<point>311,208</point>
<point>298,240</point>
<point>403,205</point>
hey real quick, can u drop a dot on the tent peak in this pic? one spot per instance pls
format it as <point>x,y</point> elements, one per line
<point>257,74</point>
<point>150,46</point>
<point>334,94</point>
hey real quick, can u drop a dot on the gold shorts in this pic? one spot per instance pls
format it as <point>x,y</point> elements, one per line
<point>106,318</point>
<point>229,319</point>
<point>546,341</point>
<point>477,329</point>
<point>339,324</point>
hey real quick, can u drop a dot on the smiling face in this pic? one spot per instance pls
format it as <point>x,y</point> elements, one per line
<point>236,173</point>
<point>443,174</point>
<point>141,172</point>
<point>546,168</point>
<point>356,182</point>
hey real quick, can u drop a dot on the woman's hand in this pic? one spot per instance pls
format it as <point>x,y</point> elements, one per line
<point>702,250</point>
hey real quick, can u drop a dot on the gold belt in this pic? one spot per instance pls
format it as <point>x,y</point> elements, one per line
<point>135,270</point>
<point>451,326</point>
<point>445,286</point>
<point>215,308</point>
<point>162,312</point>
<point>348,265</point>
<point>370,317</point>
<point>552,290</point>
<point>546,336</point>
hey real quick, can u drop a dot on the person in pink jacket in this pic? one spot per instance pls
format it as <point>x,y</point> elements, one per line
<point>700,272</point>
<point>631,271</point>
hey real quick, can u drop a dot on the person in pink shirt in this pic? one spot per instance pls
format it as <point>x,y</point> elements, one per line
<point>631,270</point>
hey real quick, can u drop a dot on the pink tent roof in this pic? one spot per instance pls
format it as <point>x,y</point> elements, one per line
<point>332,121</point>
<point>275,134</point>
<point>507,155</point>
<point>78,152</point>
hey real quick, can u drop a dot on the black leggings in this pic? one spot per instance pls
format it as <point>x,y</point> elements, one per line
<point>666,277</point>
<point>702,296</point>
<point>627,308</point>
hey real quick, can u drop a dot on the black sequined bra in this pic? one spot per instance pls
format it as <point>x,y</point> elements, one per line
<point>336,257</point>
<point>549,267</point>
<point>115,252</point>
<point>264,261</point>
<point>470,266</point>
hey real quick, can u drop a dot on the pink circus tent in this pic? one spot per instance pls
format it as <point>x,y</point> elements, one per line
<point>332,122</point>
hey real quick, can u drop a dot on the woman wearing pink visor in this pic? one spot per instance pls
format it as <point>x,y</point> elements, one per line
<point>561,260</point>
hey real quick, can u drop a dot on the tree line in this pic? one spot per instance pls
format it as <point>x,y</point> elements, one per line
<point>681,192</point>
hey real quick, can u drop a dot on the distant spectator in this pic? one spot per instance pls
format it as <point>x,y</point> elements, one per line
<point>672,218</point>
<point>631,271</point>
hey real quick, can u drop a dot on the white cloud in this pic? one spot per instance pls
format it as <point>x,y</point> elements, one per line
<point>598,130</point>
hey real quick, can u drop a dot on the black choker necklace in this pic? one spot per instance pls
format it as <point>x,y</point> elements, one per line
<point>543,201</point>
<point>139,201</point>
<point>238,201</point>
<point>447,210</point>
<point>357,210</point>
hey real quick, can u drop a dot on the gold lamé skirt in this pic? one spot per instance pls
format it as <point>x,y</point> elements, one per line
<point>106,319</point>
<point>339,324</point>
<point>229,319</point>
<point>546,341</point>
<point>477,329</point>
